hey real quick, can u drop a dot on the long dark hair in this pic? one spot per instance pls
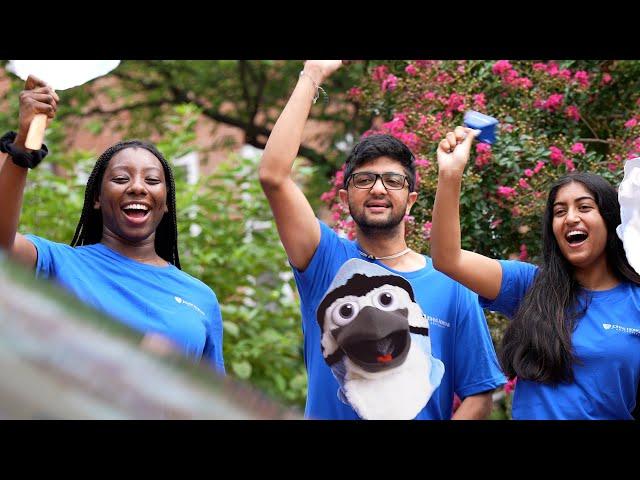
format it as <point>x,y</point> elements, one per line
<point>89,229</point>
<point>537,343</point>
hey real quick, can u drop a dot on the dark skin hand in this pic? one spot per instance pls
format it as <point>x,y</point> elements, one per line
<point>37,97</point>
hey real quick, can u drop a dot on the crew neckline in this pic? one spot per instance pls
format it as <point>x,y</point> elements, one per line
<point>124,258</point>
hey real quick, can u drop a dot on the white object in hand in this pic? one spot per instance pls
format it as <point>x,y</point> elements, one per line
<point>61,75</point>
<point>629,197</point>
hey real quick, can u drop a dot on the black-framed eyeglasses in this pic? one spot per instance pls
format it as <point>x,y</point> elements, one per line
<point>390,180</point>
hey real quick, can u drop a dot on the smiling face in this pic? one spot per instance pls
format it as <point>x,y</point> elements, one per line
<point>133,196</point>
<point>378,208</point>
<point>578,226</point>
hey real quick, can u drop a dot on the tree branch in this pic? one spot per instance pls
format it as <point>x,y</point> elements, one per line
<point>311,154</point>
<point>100,111</point>
<point>588,126</point>
<point>242,68</point>
<point>179,95</point>
<point>596,140</point>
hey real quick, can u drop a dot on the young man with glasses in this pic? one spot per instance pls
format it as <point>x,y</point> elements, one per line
<point>379,191</point>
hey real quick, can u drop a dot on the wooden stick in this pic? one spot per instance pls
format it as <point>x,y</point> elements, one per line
<point>35,136</point>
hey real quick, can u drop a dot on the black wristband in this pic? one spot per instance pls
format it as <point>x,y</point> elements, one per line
<point>20,157</point>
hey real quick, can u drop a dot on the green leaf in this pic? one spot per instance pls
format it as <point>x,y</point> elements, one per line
<point>242,369</point>
<point>231,328</point>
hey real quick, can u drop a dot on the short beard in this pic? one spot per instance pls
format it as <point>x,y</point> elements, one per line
<point>386,228</point>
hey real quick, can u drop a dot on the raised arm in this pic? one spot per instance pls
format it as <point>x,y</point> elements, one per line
<point>481,274</point>
<point>297,225</point>
<point>37,97</point>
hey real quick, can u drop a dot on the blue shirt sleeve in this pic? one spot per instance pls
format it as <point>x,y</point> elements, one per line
<point>47,251</point>
<point>476,366</point>
<point>517,277</point>
<point>213,344</point>
<point>313,280</point>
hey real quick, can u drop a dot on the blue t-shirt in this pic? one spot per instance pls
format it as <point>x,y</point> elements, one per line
<point>606,343</point>
<point>147,298</point>
<point>457,327</point>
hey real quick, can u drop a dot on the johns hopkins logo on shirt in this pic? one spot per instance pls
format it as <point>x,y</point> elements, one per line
<point>182,301</point>
<point>438,322</point>
<point>620,328</point>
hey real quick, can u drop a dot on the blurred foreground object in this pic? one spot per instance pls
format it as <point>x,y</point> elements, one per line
<point>59,359</point>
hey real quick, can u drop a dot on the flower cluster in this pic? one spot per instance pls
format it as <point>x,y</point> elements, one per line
<point>554,117</point>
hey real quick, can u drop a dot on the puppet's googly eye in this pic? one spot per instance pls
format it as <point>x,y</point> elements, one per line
<point>386,301</point>
<point>344,313</point>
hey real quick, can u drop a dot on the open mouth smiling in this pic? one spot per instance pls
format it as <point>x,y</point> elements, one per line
<point>136,211</point>
<point>576,237</point>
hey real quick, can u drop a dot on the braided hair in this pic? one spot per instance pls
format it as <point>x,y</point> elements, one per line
<point>89,229</point>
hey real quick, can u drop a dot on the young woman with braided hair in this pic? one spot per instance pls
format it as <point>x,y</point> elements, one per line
<point>123,258</point>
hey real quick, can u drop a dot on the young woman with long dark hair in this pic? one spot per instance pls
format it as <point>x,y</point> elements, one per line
<point>574,337</point>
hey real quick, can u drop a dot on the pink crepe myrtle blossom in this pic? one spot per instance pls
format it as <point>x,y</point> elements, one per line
<point>556,155</point>
<point>565,73</point>
<point>479,101</point>
<point>523,184</point>
<point>455,102</point>
<point>506,192</point>
<point>444,77</point>
<point>524,255</point>
<point>578,148</point>
<point>572,112</point>
<point>582,78</point>
<point>422,162</point>
<point>426,230</point>
<point>484,154</point>
<point>429,96</point>
<point>554,102</point>
<point>389,83</point>
<point>510,386</point>
<point>354,93</point>
<point>570,166</point>
<point>501,66</point>
<point>328,197</point>
<point>379,73</point>
<point>525,83</point>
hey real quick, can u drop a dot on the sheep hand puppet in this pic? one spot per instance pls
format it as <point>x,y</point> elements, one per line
<point>629,197</point>
<point>375,339</point>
